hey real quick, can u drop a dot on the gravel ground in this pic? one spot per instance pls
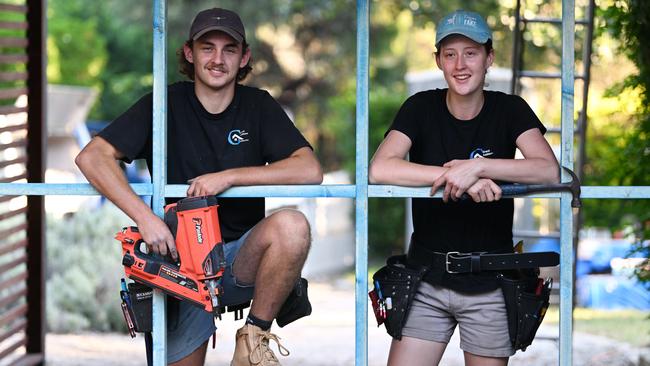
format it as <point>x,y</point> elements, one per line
<point>326,338</point>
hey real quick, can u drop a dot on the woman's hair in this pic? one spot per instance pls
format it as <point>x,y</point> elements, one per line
<point>187,68</point>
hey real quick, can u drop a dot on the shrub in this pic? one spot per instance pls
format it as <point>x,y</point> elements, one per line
<point>84,270</point>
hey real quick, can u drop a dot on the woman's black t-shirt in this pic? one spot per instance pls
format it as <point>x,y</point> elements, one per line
<point>438,137</point>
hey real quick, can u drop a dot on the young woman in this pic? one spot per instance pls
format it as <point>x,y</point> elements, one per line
<point>462,140</point>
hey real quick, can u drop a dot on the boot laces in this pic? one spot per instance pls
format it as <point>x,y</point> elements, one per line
<point>262,351</point>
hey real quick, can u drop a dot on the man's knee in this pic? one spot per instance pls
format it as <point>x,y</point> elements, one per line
<point>292,228</point>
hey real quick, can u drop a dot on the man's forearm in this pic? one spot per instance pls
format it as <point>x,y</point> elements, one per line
<point>296,169</point>
<point>105,175</point>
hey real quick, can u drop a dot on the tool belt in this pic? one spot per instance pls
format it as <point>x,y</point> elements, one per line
<point>137,306</point>
<point>527,298</point>
<point>455,262</point>
<point>526,295</point>
<point>395,286</point>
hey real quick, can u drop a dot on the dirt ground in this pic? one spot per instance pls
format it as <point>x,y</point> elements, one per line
<point>326,338</point>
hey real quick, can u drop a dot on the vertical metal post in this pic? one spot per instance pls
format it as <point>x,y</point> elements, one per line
<point>361,325</point>
<point>586,62</point>
<point>37,132</point>
<point>516,50</point>
<point>566,157</point>
<point>159,163</point>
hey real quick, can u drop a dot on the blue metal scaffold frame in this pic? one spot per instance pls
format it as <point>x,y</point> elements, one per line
<point>360,191</point>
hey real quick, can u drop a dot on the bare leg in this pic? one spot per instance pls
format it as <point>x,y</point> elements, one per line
<point>476,360</point>
<point>415,352</point>
<point>272,258</point>
<point>196,358</point>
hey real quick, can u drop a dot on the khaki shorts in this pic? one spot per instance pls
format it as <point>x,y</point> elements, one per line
<point>481,319</point>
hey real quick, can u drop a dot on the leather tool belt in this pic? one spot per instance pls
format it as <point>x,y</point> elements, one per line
<point>455,262</point>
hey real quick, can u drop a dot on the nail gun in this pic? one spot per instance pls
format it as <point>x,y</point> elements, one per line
<point>194,223</point>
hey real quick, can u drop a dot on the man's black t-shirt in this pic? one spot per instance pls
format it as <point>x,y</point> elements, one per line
<point>252,131</point>
<point>438,137</point>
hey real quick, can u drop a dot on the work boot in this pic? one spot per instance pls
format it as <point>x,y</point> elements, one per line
<point>252,347</point>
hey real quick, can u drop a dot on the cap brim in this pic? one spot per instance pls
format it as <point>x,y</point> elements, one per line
<point>478,38</point>
<point>231,32</point>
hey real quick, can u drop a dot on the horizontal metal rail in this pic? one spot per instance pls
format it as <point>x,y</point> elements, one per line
<point>325,190</point>
<point>543,75</point>
<point>556,21</point>
<point>630,192</point>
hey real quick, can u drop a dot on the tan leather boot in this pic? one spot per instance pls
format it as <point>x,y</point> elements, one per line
<point>252,347</point>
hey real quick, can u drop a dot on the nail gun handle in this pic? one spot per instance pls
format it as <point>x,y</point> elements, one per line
<point>152,257</point>
<point>132,243</point>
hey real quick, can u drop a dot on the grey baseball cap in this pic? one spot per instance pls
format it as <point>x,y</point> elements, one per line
<point>465,23</point>
<point>218,19</point>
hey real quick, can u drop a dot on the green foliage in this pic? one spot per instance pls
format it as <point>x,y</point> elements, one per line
<point>625,160</point>
<point>77,47</point>
<point>386,216</point>
<point>84,271</point>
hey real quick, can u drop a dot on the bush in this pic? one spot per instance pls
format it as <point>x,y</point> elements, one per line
<point>84,270</point>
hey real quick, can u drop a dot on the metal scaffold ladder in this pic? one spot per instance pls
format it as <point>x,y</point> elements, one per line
<point>519,72</point>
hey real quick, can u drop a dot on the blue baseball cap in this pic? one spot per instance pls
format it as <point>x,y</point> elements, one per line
<point>465,23</point>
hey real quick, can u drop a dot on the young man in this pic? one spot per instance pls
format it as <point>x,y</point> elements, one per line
<point>220,134</point>
<point>461,139</point>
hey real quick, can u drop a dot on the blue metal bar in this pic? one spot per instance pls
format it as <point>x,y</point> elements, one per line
<point>61,189</point>
<point>566,158</point>
<point>335,190</point>
<point>332,190</point>
<point>159,168</point>
<point>619,192</point>
<point>361,268</point>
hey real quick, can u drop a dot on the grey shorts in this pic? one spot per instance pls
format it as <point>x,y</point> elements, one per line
<point>188,326</point>
<point>481,319</point>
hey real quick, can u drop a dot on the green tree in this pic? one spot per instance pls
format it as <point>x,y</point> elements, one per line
<point>77,47</point>
<point>629,156</point>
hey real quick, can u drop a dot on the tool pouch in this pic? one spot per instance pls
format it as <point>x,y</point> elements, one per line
<point>526,298</point>
<point>397,284</point>
<point>296,305</point>
<point>141,297</point>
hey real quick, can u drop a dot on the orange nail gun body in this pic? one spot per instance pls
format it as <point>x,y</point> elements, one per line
<point>197,278</point>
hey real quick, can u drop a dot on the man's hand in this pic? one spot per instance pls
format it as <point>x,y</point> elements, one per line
<point>156,234</point>
<point>485,190</point>
<point>459,177</point>
<point>209,184</point>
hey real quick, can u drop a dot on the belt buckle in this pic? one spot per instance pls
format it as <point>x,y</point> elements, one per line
<point>448,262</point>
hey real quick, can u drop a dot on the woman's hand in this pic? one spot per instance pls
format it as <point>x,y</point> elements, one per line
<point>485,190</point>
<point>459,177</point>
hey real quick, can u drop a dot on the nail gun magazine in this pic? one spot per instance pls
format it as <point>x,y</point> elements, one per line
<point>197,276</point>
